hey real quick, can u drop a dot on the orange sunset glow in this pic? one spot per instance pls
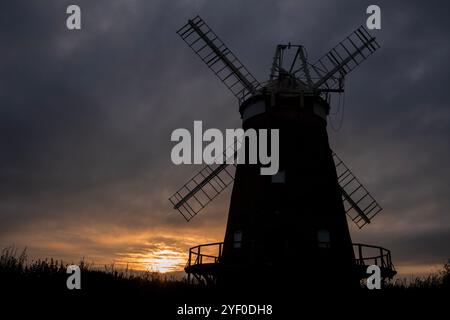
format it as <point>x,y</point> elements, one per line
<point>158,250</point>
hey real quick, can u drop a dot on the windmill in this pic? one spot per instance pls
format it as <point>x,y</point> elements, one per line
<point>296,218</point>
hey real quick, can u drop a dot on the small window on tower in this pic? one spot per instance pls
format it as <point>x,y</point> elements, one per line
<point>323,238</point>
<point>279,177</point>
<point>237,241</point>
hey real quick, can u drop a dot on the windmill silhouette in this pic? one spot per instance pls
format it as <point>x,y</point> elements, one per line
<point>295,219</point>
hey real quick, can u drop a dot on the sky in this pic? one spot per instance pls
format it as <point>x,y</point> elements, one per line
<point>86,118</point>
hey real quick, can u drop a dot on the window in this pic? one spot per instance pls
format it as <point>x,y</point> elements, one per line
<point>237,239</point>
<point>279,177</point>
<point>323,238</point>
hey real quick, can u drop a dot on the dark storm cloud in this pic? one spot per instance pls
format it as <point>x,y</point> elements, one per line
<point>86,116</point>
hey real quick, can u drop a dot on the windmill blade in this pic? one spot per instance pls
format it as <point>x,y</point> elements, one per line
<point>215,54</point>
<point>203,188</point>
<point>343,58</point>
<point>207,184</point>
<point>359,205</point>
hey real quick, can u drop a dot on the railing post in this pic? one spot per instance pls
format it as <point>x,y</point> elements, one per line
<point>190,257</point>
<point>199,256</point>
<point>382,258</point>
<point>361,260</point>
<point>389,260</point>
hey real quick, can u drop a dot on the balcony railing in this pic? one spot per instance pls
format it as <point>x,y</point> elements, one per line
<point>205,254</point>
<point>365,255</point>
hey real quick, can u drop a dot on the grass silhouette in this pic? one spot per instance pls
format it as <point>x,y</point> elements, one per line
<point>17,272</point>
<point>41,284</point>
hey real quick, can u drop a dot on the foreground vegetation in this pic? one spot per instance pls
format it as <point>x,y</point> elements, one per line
<point>16,272</point>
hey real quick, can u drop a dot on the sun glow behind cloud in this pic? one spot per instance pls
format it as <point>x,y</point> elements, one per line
<point>165,261</point>
<point>162,252</point>
<point>157,250</point>
<point>168,259</point>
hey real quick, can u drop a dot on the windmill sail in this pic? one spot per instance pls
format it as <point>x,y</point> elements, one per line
<point>203,188</point>
<point>329,71</point>
<point>207,184</point>
<point>215,54</point>
<point>359,205</point>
